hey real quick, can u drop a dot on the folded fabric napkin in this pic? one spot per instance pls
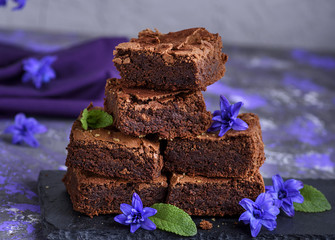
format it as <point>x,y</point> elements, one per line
<point>81,73</point>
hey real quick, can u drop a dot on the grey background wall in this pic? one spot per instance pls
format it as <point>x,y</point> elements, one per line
<point>279,23</point>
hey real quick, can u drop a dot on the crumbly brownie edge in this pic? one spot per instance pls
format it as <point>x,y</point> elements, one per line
<point>200,196</point>
<point>112,160</point>
<point>115,155</point>
<point>93,195</point>
<point>168,121</point>
<point>193,156</point>
<point>184,74</point>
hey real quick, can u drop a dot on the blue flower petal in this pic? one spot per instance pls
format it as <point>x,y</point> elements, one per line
<point>269,224</point>
<point>271,213</point>
<point>148,212</point>
<point>255,226</point>
<point>48,75</point>
<point>245,217</point>
<point>288,208</point>
<point>216,125</point>
<point>224,103</point>
<point>269,189</point>
<point>247,204</point>
<point>235,108</point>
<point>20,119</point>
<point>134,227</point>
<point>10,129</point>
<point>125,208</point>
<point>293,184</point>
<point>277,182</point>
<point>121,219</point>
<point>20,4</point>
<point>17,138</point>
<point>148,225</point>
<point>260,199</point>
<point>239,125</point>
<point>211,129</point>
<point>137,202</point>
<point>31,141</point>
<point>40,129</point>
<point>218,119</point>
<point>298,198</point>
<point>277,202</point>
<point>223,130</point>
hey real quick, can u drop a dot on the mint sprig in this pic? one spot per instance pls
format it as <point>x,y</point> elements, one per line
<point>173,219</point>
<point>314,201</point>
<point>95,119</point>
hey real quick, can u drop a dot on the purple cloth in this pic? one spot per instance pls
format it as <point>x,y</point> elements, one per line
<point>81,73</point>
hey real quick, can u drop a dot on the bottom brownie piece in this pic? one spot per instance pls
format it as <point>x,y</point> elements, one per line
<point>93,195</point>
<point>201,196</point>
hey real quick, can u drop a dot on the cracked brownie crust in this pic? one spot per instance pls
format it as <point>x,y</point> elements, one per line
<point>190,59</point>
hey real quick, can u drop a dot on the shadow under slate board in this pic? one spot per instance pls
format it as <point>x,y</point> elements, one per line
<point>61,222</point>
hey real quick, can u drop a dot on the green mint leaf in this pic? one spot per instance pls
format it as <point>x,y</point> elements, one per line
<point>95,119</point>
<point>172,219</point>
<point>314,201</point>
<point>83,119</point>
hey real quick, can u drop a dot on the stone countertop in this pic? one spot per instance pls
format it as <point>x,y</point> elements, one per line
<point>293,92</point>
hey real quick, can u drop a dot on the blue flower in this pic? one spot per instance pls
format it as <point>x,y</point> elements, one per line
<point>20,4</point>
<point>226,118</point>
<point>23,130</point>
<point>136,216</point>
<point>261,212</point>
<point>285,193</point>
<point>39,71</point>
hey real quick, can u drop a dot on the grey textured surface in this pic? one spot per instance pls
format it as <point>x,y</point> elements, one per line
<point>281,23</point>
<point>61,222</point>
<point>293,92</point>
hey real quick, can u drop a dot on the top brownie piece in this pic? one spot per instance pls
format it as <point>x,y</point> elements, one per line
<point>190,59</point>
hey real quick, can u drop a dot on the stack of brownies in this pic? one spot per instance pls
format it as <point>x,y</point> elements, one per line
<point>158,146</point>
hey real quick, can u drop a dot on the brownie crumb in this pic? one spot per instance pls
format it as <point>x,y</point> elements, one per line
<point>205,225</point>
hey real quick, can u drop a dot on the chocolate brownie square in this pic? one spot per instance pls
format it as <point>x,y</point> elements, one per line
<point>201,196</point>
<point>110,153</point>
<point>236,154</point>
<point>190,59</point>
<point>93,195</point>
<point>141,112</point>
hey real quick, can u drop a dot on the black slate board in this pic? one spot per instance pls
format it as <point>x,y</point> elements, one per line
<point>61,222</point>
